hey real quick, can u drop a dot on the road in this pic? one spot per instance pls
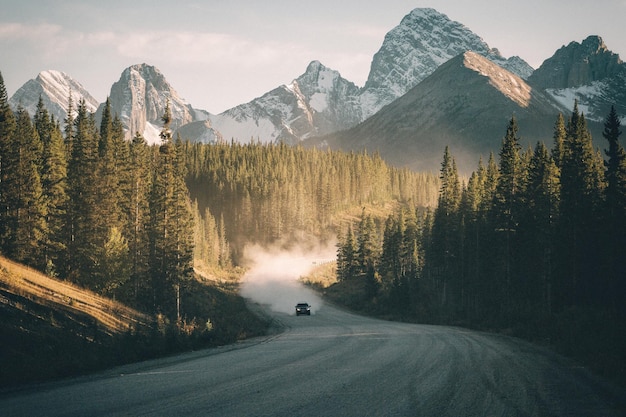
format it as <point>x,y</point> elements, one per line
<point>337,364</point>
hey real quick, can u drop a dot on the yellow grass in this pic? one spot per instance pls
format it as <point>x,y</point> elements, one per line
<point>112,316</point>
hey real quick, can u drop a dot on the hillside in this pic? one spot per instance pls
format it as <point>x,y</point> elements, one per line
<point>52,329</point>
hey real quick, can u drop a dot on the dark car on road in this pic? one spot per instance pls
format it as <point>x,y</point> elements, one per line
<point>303,308</point>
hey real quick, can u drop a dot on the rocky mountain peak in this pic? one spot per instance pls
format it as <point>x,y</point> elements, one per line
<point>139,99</point>
<point>578,64</point>
<point>424,40</point>
<point>54,88</point>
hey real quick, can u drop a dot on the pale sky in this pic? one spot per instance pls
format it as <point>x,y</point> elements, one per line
<point>221,53</point>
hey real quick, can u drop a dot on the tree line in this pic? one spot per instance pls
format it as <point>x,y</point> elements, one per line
<point>131,221</point>
<point>278,193</point>
<point>83,204</point>
<point>533,236</point>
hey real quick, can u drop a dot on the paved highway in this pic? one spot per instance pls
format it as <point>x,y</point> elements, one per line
<point>338,364</point>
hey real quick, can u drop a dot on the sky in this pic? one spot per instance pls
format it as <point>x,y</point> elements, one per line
<point>221,53</point>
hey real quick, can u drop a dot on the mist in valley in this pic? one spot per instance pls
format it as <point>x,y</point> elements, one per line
<point>273,277</point>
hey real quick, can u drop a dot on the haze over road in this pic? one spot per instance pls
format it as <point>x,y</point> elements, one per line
<point>333,363</point>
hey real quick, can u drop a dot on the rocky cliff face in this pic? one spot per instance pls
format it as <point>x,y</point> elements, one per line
<point>320,101</point>
<point>465,104</point>
<point>587,72</point>
<point>577,64</point>
<point>54,88</point>
<point>139,99</point>
<point>424,40</point>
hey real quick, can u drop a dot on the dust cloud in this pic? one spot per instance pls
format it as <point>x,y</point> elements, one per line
<point>273,276</point>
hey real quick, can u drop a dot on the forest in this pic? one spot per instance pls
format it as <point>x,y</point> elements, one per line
<point>135,222</point>
<point>531,243</point>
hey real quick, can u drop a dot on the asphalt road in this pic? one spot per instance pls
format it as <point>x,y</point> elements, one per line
<point>337,364</point>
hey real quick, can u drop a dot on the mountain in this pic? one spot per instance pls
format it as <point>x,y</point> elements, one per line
<point>318,102</point>
<point>424,40</point>
<point>139,99</point>
<point>465,104</point>
<point>54,88</point>
<point>588,72</point>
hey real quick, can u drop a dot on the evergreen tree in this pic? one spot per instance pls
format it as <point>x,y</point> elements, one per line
<point>82,213</point>
<point>7,130</point>
<point>507,206</point>
<point>54,183</point>
<point>559,138</point>
<point>26,216</point>
<point>537,230</point>
<point>137,215</point>
<point>444,253</point>
<point>580,198</point>
<point>614,215</point>
<point>347,257</point>
<point>171,226</point>
<point>367,245</point>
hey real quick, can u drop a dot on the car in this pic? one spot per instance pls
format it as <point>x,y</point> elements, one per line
<point>303,308</point>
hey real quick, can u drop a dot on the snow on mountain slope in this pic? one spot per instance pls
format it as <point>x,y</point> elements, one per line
<point>318,102</point>
<point>587,72</point>
<point>424,40</point>
<point>54,88</point>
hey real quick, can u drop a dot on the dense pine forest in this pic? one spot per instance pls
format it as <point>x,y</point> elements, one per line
<point>533,244</point>
<point>133,221</point>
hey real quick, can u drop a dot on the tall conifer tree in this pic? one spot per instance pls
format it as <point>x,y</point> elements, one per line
<point>26,220</point>
<point>614,215</point>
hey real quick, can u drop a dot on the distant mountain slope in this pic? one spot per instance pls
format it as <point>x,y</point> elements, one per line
<point>465,104</point>
<point>424,40</point>
<point>54,88</point>
<point>588,72</point>
<point>320,101</point>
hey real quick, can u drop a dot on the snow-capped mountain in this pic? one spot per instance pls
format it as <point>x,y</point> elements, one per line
<point>424,90</point>
<point>465,104</point>
<point>424,40</point>
<point>588,72</point>
<point>54,88</point>
<point>320,101</point>
<point>139,99</point>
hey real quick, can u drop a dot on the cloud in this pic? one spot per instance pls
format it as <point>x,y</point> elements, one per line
<point>19,31</point>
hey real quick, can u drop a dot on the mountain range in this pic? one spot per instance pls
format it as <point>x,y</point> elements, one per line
<point>432,83</point>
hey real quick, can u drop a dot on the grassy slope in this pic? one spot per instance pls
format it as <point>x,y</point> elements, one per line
<point>51,329</point>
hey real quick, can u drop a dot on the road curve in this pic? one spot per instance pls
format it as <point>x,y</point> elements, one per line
<point>338,364</point>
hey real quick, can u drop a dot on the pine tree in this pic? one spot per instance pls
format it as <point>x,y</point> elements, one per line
<point>559,138</point>
<point>7,130</point>
<point>171,225</point>
<point>54,183</point>
<point>445,231</point>
<point>580,199</point>
<point>537,230</point>
<point>367,245</point>
<point>81,234</point>
<point>347,256</point>
<point>26,216</point>
<point>614,215</point>
<point>137,215</point>
<point>507,206</point>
